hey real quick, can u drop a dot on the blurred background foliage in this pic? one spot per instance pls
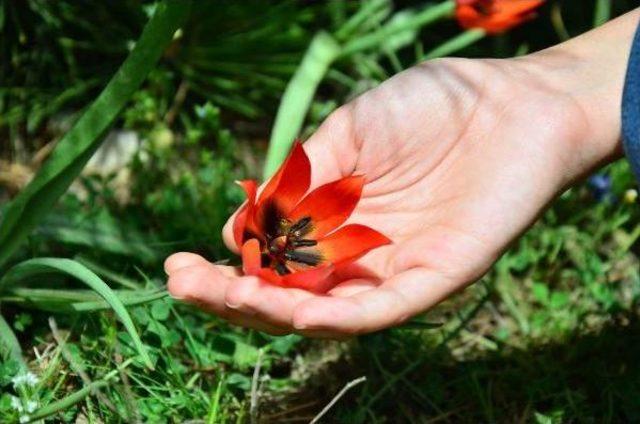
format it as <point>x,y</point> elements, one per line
<point>550,335</point>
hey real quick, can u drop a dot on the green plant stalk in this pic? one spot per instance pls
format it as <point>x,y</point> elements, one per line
<point>113,243</point>
<point>43,266</point>
<point>212,418</point>
<point>107,274</point>
<point>558,22</point>
<point>54,300</point>
<point>428,16</point>
<point>463,322</point>
<point>79,144</point>
<point>101,304</point>
<point>66,402</point>
<point>297,98</point>
<point>9,343</point>
<point>602,12</point>
<point>457,43</point>
<point>367,9</point>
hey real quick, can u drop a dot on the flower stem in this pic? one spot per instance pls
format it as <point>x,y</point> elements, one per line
<point>457,43</point>
<point>425,17</point>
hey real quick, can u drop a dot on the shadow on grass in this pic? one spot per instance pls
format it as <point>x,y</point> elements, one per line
<point>587,378</point>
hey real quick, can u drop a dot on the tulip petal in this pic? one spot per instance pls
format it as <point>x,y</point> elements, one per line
<point>349,243</point>
<point>329,205</point>
<point>251,257</point>
<point>495,16</point>
<point>290,183</point>
<point>244,217</point>
<point>315,279</point>
<point>270,275</point>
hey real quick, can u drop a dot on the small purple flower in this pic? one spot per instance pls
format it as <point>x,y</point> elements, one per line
<point>600,187</point>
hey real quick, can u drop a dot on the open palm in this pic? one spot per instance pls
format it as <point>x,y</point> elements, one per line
<point>459,157</point>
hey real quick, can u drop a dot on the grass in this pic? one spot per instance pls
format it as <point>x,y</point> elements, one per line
<point>549,335</point>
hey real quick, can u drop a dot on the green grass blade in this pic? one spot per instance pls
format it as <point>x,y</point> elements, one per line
<point>602,12</point>
<point>56,300</point>
<point>138,299</point>
<point>214,408</point>
<point>455,44</point>
<point>428,15</point>
<point>79,144</point>
<point>42,266</point>
<point>297,98</point>
<point>99,239</point>
<point>417,324</point>
<point>9,344</point>
<point>108,274</point>
<point>63,404</point>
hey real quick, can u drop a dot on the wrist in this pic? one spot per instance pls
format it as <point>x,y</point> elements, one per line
<point>590,70</point>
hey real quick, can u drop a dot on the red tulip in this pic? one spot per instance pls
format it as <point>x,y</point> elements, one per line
<point>293,240</point>
<point>495,16</point>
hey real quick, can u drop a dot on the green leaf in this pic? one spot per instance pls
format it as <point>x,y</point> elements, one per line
<point>61,300</point>
<point>417,324</point>
<point>540,292</point>
<point>412,21</point>
<point>160,310</point>
<point>10,345</point>
<point>559,300</point>
<point>79,144</point>
<point>42,266</point>
<point>245,355</point>
<point>98,238</point>
<point>602,12</point>
<point>457,43</point>
<point>285,344</point>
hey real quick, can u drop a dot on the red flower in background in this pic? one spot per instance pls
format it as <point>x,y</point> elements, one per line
<point>293,240</point>
<point>495,16</point>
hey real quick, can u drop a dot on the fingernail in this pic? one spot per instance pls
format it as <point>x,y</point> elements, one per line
<point>241,308</point>
<point>300,325</point>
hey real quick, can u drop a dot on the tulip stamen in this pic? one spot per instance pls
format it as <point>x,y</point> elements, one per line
<point>300,228</point>
<point>281,268</point>
<point>292,236</point>
<point>302,257</point>
<point>285,239</point>
<point>303,243</point>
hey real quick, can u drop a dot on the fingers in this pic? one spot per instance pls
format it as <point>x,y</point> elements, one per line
<point>353,307</point>
<point>182,260</point>
<point>245,301</point>
<point>205,285</point>
<point>265,301</point>
<point>392,303</point>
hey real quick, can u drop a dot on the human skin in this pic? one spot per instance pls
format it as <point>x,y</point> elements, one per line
<point>460,157</point>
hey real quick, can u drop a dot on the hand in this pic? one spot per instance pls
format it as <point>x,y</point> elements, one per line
<point>460,157</point>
